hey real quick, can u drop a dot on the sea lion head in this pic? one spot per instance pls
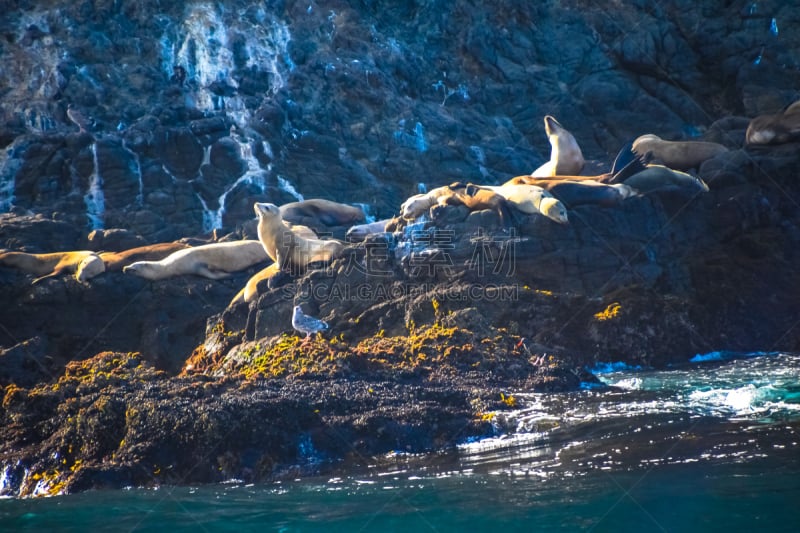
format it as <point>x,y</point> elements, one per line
<point>266,209</point>
<point>760,130</point>
<point>552,126</point>
<point>90,267</point>
<point>554,210</point>
<point>415,206</point>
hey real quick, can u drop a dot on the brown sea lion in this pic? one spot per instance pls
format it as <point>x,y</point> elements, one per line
<point>573,193</point>
<point>657,178</point>
<point>455,194</point>
<point>289,250</point>
<point>679,155</point>
<point>116,261</point>
<point>775,129</point>
<point>565,154</point>
<point>47,265</point>
<point>324,212</point>
<point>214,261</point>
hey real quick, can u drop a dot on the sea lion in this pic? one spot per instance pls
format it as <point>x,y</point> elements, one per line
<point>565,154</point>
<point>680,155</point>
<point>794,107</point>
<point>214,261</point>
<point>419,204</point>
<point>455,194</point>
<point>90,267</point>
<point>531,199</point>
<point>359,232</point>
<point>303,231</point>
<point>116,261</point>
<point>323,212</point>
<point>658,178</point>
<point>46,265</point>
<point>288,249</point>
<point>574,193</point>
<point>250,291</point>
<point>476,199</point>
<point>775,129</point>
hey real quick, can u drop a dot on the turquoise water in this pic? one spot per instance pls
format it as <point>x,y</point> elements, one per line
<point>715,446</point>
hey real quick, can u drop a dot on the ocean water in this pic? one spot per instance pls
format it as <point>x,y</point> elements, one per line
<point>714,446</point>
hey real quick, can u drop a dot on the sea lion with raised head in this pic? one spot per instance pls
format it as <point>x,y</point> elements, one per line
<point>49,264</point>
<point>289,250</point>
<point>214,261</point>
<point>565,154</point>
<point>679,155</point>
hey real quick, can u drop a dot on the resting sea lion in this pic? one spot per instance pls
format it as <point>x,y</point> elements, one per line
<point>656,178</point>
<point>116,261</point>
<point>530,199</point>
<point>324,212</point>
<point>680,155</point>
<point>214,261</point>
<point>288,249</point>
<point>574,193</point>
<point>456,194</point>
<point>476,199</point>
<point>775,129</point>
<point>359,232</point>
<point>565,154</point>
<point>47,265</point>
<point>419,204</point>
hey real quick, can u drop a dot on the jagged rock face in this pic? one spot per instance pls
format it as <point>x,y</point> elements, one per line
<point>350,101</point>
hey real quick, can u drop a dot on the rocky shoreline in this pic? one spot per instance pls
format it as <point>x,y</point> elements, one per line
<point>417,358</point>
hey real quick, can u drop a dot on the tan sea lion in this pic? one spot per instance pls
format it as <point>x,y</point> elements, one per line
<point>214,261</point>
<point>455,194</point>
<point>116,261</point>
<point>90,267</point>
<point>531,199</point>
<point>775,129</point>
<point>419,204</point>
<point>289,250</point>
<point>324,212</point>
<point>680,155</point>
<point>573,193</point>
<point>359,232</point>
<point>46,265</point>
<point>565,154</point>
<point>303,231</point>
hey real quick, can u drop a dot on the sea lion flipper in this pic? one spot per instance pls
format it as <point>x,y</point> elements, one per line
<point>40,278</point>
<point>624,157</point>
<point>636,165</point>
